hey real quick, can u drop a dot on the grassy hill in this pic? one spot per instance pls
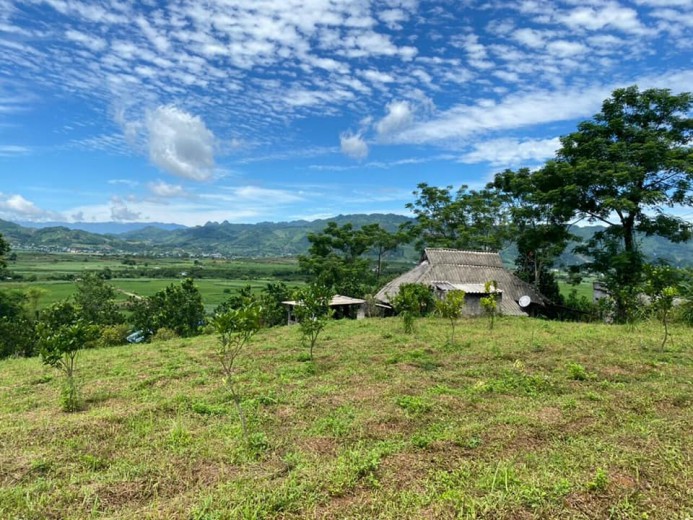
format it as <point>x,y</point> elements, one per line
<point>531,420</point>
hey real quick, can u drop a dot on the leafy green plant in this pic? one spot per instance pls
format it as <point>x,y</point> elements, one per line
<point>577,372</point>
<point>312,311</point>
<point>489,303</point>
<point>58,347</point>
<point>450,308</point>
<point>600,480</point>
<point>413,300</point>
<point>164,334</point>
<point>114,335</point>
<point>235,328</point>
<point>661,286</point>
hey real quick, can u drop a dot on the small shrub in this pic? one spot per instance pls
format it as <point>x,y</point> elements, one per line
<point>164,334</point>
<point>59,346</point>
<point>413,404</point>
<point>113,335</point>
<point>600,481</point>
<point>490,303</point>
<point>577,372</point>
<point>450,308</point>
<point>236,327</point>
<point>412,300</point>
<point>312,312</point>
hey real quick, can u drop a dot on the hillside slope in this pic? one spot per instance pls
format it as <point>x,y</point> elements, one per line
<point>531,420</point>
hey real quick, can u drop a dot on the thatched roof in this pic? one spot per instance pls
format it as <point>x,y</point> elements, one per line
<point>464,268</point>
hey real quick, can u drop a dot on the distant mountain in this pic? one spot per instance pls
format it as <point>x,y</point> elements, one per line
<point>113,228</point>
<point>232,240</point>
<point>266,239</point>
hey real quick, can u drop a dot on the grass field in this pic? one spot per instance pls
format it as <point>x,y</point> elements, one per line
<point>256,273</point>
<point>212,290</point>
<point>534,419</point>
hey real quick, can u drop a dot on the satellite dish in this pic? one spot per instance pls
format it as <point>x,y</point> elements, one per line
<point>525,301</point>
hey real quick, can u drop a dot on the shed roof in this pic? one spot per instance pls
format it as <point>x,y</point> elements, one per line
<point>336,300</point>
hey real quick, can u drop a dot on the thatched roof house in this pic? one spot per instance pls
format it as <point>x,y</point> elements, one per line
<point>447,269</point>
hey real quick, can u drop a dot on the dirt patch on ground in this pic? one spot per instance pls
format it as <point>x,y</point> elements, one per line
<point>405,471</point>
<point>549,415</point>
<point>319,446</point>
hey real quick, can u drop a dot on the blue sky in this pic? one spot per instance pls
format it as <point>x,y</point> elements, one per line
<point>267,110</point>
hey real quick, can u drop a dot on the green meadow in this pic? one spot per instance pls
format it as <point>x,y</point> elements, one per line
<point>532,419</point>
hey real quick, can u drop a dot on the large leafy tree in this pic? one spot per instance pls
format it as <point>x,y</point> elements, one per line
<point>465,219</point>
<point>538,227</point>
<point>626,168</point>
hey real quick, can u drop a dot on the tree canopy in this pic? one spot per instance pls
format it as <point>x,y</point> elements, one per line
<point>338,257</point>
<point>465,219</point>
<point>626,168</point>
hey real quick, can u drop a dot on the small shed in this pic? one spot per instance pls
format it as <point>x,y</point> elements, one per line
<point>343,307</point>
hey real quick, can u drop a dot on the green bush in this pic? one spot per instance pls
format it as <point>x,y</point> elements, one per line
<point>164,334</point>
<point>577,372</point>
<point>113,335</point>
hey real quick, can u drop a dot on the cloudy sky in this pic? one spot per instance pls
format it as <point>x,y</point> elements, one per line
<point>255,110</point>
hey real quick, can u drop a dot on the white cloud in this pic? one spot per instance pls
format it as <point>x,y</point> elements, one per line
<point>180,143</point>
<point>610,14</point>
<point>353,145</point>
<point>93,43</point>
<point>165,190</point>
<point>565,48</point>
<point>10,150</point>
<point>16,206</point>
<point>529,37</point>
<point>120,211</point>
<point>126,182</point>
<point>511,152</point>
<point>512,112</point>
<point>399,116</point>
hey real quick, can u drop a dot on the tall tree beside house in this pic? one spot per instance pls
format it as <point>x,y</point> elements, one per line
<point>626,168</point>
<point>538,227</point>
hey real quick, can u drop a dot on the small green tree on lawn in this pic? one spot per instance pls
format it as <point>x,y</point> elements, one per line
<point>413,300</point>
<point>450,308</point>
<point>59,347</point>
<point>312,311</point>
<point>661,286</point>
<point>489,303</point>
<point>236,327</point>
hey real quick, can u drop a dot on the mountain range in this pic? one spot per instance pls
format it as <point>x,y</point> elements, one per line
<point>265,239</point>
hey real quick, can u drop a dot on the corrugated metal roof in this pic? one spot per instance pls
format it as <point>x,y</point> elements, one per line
<point>337,299</point>
<point>458,257</point>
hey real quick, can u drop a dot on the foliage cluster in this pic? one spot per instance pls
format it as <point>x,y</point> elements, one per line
<point>178,307</point>
<point>348,260</point>
<point>412,301</point>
